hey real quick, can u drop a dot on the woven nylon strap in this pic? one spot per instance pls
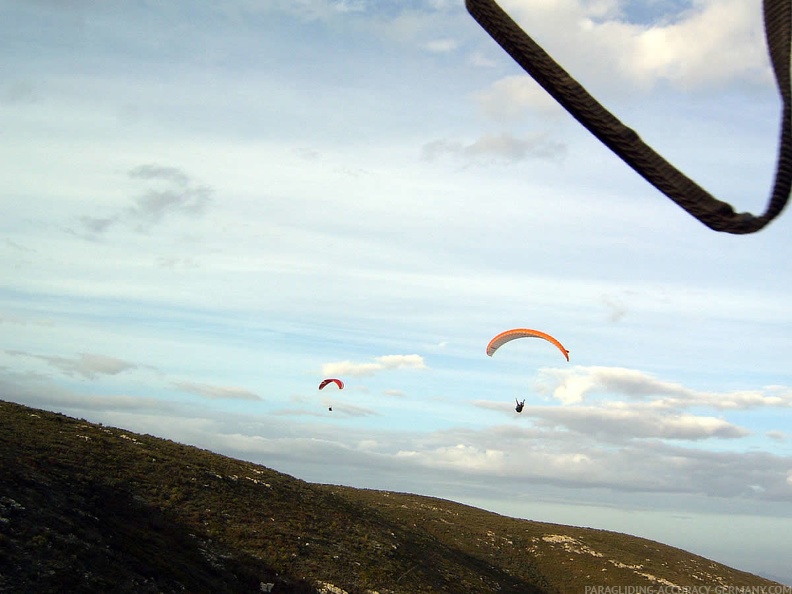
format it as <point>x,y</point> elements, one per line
<point>623,141</point>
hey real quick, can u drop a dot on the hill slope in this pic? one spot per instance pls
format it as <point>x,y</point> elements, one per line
<point>88,508</point>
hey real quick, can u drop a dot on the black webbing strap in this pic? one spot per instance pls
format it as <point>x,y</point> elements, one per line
<point>623,141</point>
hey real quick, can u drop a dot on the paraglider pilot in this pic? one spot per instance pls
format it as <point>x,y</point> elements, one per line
<point>520,405</point>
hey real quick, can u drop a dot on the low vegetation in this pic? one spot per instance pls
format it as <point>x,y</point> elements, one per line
<point>89,508</point>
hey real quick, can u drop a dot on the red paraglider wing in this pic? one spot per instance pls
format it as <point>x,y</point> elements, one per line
<point>509,335</point>
<point>337,382</point>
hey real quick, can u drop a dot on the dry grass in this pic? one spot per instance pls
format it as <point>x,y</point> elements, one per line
<point>88,508</point>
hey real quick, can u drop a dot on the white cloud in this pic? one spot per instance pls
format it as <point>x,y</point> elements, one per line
<point>386,362</point>
<point>616,421</point>
<point>715,42</point>
<point>351,410</point>
<point>571,386</point>
<point>497,147</point>
<point>18,92</point>
<point>460,456</point>
<point>574,385</point>
<point>38,391</point>
<point>345,6</point>
<point>23,321</point>
<point>511,97</point>
<point>88,365</point>
<point>480,60</point>
<point>635,422</point>
<point>216,392</point>
<point>174,194</point>
<point>441,46</point>
<point>616,309</point>
<point>310,9</point>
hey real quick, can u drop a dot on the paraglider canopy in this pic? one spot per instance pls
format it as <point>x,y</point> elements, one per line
<point>327,382</point>
<point>332,380</point>
<point>510,335</point>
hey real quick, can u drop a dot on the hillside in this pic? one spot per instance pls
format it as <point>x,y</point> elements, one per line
<point>89,508</point>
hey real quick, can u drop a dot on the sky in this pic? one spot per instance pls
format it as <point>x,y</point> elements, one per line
<point>208,208</point>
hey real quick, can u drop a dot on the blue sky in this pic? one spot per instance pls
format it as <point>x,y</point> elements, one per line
<point>206,210</point>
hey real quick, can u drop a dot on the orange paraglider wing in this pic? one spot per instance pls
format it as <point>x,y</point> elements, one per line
<point>332,380</point>
<point>510,335</point>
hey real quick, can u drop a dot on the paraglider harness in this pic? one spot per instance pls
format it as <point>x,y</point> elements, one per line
<point>520,405</point>
<point>623,141</point>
